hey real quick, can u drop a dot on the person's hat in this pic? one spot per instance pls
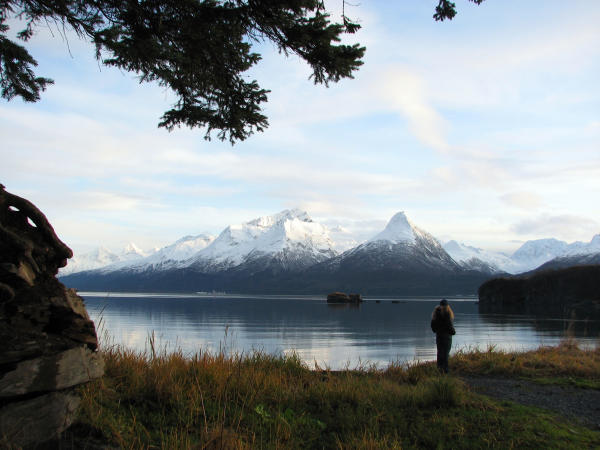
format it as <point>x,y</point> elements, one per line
<point>444,302</point>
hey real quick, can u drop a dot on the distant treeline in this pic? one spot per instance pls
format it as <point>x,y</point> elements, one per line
<point>572,291</point>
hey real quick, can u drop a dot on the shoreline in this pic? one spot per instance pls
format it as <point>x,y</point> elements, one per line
<point>132,294</point>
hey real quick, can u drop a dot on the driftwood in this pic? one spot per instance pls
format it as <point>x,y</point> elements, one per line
<point>48,343</point>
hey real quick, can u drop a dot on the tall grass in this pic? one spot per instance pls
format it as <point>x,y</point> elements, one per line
<point>564,360</point>
<point>166,400</point>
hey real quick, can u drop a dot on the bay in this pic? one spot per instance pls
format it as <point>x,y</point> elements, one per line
<point>377,332</point>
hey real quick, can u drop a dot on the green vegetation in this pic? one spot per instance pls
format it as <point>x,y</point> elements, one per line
<point>264,401</point>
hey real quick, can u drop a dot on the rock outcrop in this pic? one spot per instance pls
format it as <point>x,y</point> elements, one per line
<point>574,291</point>
<point>340,297</point>
<point>48,342</point>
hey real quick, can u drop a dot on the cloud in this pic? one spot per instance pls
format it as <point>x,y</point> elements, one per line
<point>511,64</point>
<point>402,90</point>
<point>174,187</point>
<point>522,200</point>
<point>107,201</point>
<point>511,117</point>
<point>477,167</point>
<point>563,226</point>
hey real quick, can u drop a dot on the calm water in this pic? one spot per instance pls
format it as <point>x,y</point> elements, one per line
<point>332,336</point>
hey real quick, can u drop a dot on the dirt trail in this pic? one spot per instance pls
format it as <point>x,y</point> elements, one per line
<point>580,405</point>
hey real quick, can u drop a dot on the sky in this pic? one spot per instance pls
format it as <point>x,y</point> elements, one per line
<point>484,129</point>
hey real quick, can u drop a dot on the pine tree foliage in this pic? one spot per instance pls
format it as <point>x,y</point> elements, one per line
<point>199,49</point>
<point>447,9</point>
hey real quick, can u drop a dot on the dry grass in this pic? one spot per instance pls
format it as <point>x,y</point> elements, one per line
<point>160,400</point>
<point>565,360</point>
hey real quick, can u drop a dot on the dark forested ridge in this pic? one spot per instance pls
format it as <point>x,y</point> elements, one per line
<point>316,280</point>
<point>572,290</point>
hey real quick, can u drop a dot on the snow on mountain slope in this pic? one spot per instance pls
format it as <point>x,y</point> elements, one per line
<point>562,262</point>
<point>461,252</point>
<point>529,256</point>
<point>584,248</point>
<point>89,261</point>
<point>534,253</point>
<point>343,239</point>
<point>400,245</point>
<point>183,249</point>
<point>539,251</point>
<point>398,229</point>
<point>477,258</point>
<point>168,257</point>
<point>102,257</point>
<point>290,234</point>
<point>176,254</point>
<point>292,240</point>
<point>132,252</point>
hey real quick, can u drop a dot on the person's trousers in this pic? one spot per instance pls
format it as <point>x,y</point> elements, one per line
<point>443,342</point>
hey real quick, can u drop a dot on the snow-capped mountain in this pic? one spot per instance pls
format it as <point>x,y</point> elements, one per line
<point>183,249</point>
<point>479,259</point>
<point>267,254</point>
<point>584,248</point>
<point>562,262</point>
<point>288,252</point>
<point>534,253</point>
<point>171,256</point>
<point>101,257</point>
<point>530,255</point>
<point>399,230</point>
<point>290,239</point>
<point>401,244</point>
<point>132,252</point>
<point>402,259</point>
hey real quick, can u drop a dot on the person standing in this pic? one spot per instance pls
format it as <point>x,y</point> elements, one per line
<point>442,324</point>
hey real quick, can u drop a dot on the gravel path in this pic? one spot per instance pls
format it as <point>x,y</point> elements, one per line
<point>580,405</point>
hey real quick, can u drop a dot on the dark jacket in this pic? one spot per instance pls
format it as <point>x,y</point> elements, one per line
<point>441,323</point>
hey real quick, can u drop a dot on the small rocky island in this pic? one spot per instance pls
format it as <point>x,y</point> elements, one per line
<point>574,291</point>
<point>340,297</point>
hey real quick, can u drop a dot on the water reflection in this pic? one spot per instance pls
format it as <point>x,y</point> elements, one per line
<point>572,326</point>
<point>333,336</point>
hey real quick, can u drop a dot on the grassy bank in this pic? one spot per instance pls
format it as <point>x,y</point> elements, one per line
<point>263,401</point>
<point>563,364</point>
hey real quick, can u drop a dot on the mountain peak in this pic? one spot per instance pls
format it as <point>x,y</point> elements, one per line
<point>289,233</point>
<point>540,249</point>
<point>283,216</point>
<point>453,246</point>
<point>399,229</point>
<point>132,248</point>
<point>296,213</point>
<point>186,240</point>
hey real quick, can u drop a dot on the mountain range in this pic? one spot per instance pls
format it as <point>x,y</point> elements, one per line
<point>531,255</point>
<point>290,253</point>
